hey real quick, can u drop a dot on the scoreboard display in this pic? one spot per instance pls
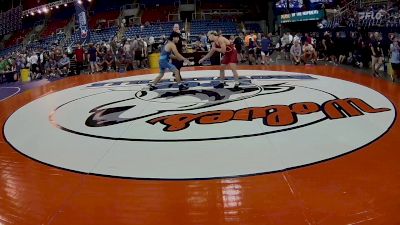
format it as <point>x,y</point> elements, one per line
<point>281,4</point>
<point>11,20</point>
<point>295,4</point>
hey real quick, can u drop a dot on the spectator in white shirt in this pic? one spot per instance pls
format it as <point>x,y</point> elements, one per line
<point>296,38</point>
<point>295,52</point>
<point>33,61</point>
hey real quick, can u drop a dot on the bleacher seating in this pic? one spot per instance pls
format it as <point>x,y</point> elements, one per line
<point>253,27</point>
<point>47,42</point>
<point>103,35</point>
<point>216,5</point>
<point>96,36</point>
<point>203,26</point>
<point>52,27</point>
<point>156,14</point>
<point>155,30</point>
<point>153,3</point>
<point>17,38</point>
<point>108,6</point>
<point>12,49</point>
<point>106,16</point>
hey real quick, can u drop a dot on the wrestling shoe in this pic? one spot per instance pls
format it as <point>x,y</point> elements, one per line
<point>237,84</point>
<point>183,87</point>
<point>220,85</point>
<point>151,87</point>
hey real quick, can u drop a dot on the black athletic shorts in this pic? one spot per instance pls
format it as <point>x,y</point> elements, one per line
<point>178,64</point>
<point>395,66</point>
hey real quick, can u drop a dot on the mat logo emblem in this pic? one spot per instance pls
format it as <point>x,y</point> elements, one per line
<point>201,99</point>
<point>204,106</point>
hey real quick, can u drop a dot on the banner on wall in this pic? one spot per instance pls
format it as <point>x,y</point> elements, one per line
<point>302,16</point>
<point>81,17</point>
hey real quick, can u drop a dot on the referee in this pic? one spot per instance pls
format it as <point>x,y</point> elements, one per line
<point>178,64</point>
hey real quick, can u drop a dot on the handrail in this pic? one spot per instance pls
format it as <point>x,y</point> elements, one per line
<point>345,8</point>
<point>372,1</point>
<point>349,3</point>
<point>130,6</point>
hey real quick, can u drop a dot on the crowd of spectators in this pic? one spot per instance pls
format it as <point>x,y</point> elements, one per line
<point>368,50</point>
<point>356,47</point>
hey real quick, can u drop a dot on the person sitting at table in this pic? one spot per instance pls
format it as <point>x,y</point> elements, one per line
<point>200,47</point>
<point>6,69</point>
<point>3,65</point>
<point>19,65</point>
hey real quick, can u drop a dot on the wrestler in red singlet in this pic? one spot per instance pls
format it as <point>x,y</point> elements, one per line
<point>229,59</point>
<point>230,55</point>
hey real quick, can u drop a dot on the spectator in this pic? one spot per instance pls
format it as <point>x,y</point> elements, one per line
<point>64,65</point>
<point>51,68</point>
<point>252,51</point>
<point>144,46</point>
<point>151,43</point>
<point>108,62</point>
<point>232,39</point>
<point>376,53</point>
<point>286,41</point>
<point>179,46</point>
<point>309,53</point>
<point>299,37</point>
<point>92,55</point>
<point>295,53</point>
<point>266,44</point>
<point>3,65</point>
<point>42,60</point>
<point>203,40</point>
<point>19,64</point>
<point>119,57</point>
<point>114,45</point>
<point>328,47</point>
<point>238,42</point>
<point>129,54</point>
<point>395,59</point>
<point>100,57</point>
<point>79,58</point>
<point>33,61</point>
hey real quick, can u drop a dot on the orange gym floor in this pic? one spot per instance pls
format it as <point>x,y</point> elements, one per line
<point>362,187</point>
